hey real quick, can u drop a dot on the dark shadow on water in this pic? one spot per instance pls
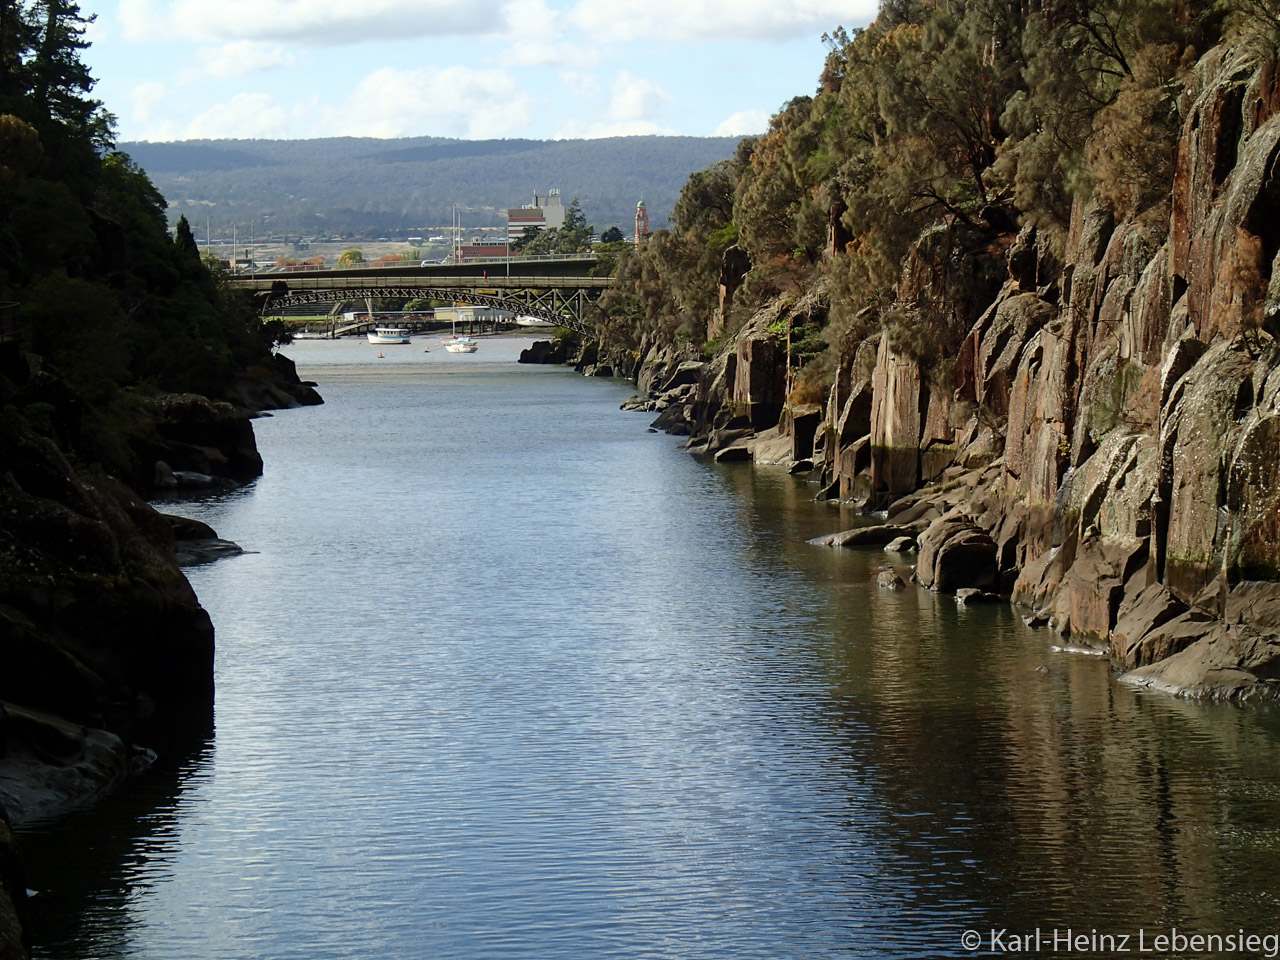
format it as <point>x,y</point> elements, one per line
<point>87,866</point>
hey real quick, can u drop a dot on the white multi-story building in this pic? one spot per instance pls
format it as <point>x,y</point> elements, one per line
<point>546,212</point>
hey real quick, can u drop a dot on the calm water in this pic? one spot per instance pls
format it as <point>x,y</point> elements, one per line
<point>507,676</point>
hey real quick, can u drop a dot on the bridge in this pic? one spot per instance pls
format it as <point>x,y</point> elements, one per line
<point>557,289</point>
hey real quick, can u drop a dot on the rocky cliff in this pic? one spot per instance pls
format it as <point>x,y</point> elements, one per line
<point>1105,448</point>
<point>105,652</point>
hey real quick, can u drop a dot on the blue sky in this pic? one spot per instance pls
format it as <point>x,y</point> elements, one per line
<point>474,69</point>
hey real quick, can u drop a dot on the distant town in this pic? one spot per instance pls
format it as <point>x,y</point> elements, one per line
<point>437,244</point>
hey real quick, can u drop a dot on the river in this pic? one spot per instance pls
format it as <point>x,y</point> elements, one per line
<point>504,675</point>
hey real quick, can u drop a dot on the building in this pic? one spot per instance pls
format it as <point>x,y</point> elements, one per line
<point>642,222</point>
<point>546,212</point>
<point>468,250</point>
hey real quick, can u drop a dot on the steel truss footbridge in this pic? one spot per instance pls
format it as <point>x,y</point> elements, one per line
<point>560,290</point>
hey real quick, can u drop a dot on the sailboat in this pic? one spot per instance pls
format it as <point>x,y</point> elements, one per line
<point>457,344</point>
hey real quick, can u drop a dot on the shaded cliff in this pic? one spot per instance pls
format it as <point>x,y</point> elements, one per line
<point>1103,447</point>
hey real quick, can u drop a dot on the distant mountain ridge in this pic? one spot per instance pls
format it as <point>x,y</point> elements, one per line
<point>361,186</point>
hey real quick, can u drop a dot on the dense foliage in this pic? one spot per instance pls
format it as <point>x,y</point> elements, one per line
<point>106,295</point>
<point>936,132</point>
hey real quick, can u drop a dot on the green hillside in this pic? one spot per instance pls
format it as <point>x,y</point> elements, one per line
<point>351,186</point>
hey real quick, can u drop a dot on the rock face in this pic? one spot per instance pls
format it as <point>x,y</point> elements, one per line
<point>104,650</point>
<point>189,440</point>
<point>273,385</point>
<point>1106,450</point>
<point>99,630</point>
<point>13,896</point>
<point>545,351</point>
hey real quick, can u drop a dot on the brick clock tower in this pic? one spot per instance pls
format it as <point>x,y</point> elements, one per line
<point>642,222</point>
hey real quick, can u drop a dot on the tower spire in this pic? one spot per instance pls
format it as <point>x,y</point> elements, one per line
<point>642,222</point>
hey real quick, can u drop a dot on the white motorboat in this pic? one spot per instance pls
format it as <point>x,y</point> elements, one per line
<point>389,335</point>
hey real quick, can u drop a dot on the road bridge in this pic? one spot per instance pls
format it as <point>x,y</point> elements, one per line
<point>557,289</point>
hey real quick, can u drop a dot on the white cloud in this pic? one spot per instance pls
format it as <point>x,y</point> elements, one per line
<point>244,57</point>
<point>454,101</point>
<point>633,110</point>
<point>246,116</point>
<point>535,38</point>
<point>743,123</point>
<point>145,114</point>
<point>636,98</point>
<point>580,84</point>
<point>309,22</point>
<point>696,21</point>
<point>145,98</point>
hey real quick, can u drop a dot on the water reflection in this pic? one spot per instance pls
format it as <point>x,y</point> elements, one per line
<point>91,869</point>
<point>1028,783</point>
<point>576,694</point>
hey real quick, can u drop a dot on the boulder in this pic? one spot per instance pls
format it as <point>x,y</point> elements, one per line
<point>686,373</point>
<point>273,385</point>
<point>955,554</point>
<point>901,545</point>
<point>52,766</point>
<point>889,580</point>
<point>737,453</point>
<point>1087,601</point>
<point>875,536</point>
<point>1208,669</point>
<point>193,436</point>
<point>1133,639</point>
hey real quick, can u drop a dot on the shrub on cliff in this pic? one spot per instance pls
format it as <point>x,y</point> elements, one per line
<point>935,133</point>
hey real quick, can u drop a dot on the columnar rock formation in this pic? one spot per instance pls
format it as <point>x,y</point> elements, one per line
<point>1112,419</point>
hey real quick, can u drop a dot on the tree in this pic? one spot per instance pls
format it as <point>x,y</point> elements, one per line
<point>352,255</point>
<point>17,38</point>
<point>572,237</point>
<point>612,235</point>
<point>60,81</point>
<point>186,240</point>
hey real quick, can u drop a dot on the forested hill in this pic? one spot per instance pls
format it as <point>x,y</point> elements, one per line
<point>360,186</point>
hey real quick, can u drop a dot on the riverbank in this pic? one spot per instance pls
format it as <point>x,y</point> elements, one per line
<point>107,652</point>
<point>1100,447</point>
<point>606,687</point>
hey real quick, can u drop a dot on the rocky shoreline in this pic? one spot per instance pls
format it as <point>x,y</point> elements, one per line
<point>107,653</point>
<point>1104,452</point>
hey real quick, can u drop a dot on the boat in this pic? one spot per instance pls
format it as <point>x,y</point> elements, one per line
<point>460,345</point>
<point>389,335</point>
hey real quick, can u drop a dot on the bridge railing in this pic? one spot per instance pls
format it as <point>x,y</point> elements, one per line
<point>9,329</point>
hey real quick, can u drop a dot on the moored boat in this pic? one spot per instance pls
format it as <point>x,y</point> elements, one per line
<point>389,335</point>
<point>460,345</point>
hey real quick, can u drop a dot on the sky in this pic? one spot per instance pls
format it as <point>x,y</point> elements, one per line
<point>471,69</point>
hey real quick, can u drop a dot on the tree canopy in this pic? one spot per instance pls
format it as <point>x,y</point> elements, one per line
<point>937,129</point>
<point>106,295</point>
